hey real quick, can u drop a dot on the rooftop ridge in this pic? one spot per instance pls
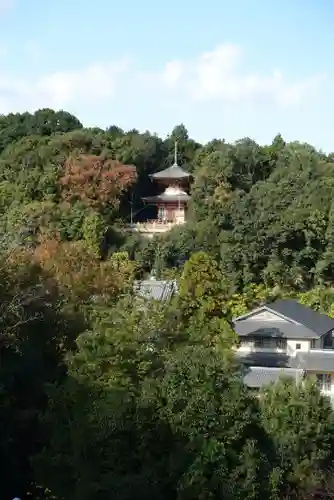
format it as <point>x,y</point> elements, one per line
<point>275,368</point>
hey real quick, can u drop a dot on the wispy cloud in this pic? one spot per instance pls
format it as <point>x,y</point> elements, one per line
<point>92,84</point>
<point>217,76</point>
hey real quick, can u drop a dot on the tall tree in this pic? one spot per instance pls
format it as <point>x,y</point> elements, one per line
<point>215,424</point>
<point>35,334</point>
<point>96,181</point>
<point>202,286</point>
<point>300,421</point>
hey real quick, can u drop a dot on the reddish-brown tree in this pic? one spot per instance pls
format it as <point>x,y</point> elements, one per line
<point>96,181</point>
<point>78,273</point>
<point>74,270</point>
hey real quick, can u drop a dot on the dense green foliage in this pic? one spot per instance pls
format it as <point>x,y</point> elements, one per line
<point>106,396</point>
<point>264,212</point>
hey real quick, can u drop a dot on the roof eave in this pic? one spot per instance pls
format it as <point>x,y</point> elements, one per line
<point>266,308</point>
<point>170,177</point>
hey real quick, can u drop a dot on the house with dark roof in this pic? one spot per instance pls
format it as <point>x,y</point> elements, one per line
<point>286,338</point>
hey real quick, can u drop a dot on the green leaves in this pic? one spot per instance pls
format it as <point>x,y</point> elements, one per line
<point>301,423</point>
<point>109,395</point>
<point>208,405</point>
<point>202,286</point>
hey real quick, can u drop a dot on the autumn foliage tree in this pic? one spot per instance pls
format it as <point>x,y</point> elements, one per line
<point>79,273</point>
<point>97,181</point>
<point>74,269</point>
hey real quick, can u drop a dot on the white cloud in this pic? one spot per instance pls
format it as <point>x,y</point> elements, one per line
<point>173,73</point>
<point>92,84</point>
<point>218,75</point>
<point>89,85</point>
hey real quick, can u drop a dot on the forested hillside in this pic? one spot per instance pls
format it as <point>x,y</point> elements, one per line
<point>104,396</point>
<point>264,212</point>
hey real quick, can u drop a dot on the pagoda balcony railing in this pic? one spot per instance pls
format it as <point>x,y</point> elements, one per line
<point>155,225</point>
<point>159,222</point>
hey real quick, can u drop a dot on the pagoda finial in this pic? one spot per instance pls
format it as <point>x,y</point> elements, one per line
<point>175,153</point>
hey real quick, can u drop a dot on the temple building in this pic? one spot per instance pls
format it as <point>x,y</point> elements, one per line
<point>171,203</point>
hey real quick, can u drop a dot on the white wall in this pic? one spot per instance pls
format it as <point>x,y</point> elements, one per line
<point>249,348</point>
<point>291,346</point>
<point>290,349</point>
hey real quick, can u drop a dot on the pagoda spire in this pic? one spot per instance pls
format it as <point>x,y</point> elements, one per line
<point>174,171</point>
<point>175,155</point>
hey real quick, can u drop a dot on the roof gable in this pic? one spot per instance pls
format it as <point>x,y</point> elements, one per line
<point>292,312</point>
<point>263,313</point>
<point>319,323</point>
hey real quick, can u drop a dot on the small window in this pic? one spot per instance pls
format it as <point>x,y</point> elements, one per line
<point>281,343</point>
<point>298,346</point>
<point>313,344</point>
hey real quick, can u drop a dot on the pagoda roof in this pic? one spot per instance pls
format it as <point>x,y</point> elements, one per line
<point>173,172</point>
<point>168,198</point>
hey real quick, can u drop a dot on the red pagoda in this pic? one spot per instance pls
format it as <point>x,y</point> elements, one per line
<point>172,202</point>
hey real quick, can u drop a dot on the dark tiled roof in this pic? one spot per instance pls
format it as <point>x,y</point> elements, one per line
<point>315,360</point>
<point>321,360</point>
<point>319,323</point>
<point>259,376</point>
<point>168,197</point>
<point>173,172</point>
<point>155,289</point>
<point>274,360</point>
<point>279,329</point>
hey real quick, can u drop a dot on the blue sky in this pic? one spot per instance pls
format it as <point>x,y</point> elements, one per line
<point>223,68</point>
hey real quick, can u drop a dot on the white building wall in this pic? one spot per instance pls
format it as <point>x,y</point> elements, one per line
<point>247,349</point>
<point>290,350</point>
<point>292,346</point>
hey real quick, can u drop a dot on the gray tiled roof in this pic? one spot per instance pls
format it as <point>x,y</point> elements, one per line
<point>155,289</point>
<point>259,358</point>
<point>173,172</point>
<point>321,360</point>
<point>313,320</point>
<point>315,360</point>
<point>167,197</point>
<point>259,376</point>
<point>248,327</point>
